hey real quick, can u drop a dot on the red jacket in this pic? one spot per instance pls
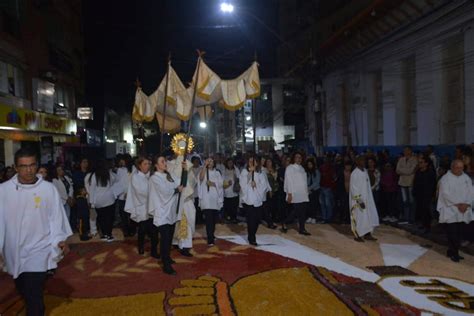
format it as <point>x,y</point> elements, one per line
<point>328,176</point>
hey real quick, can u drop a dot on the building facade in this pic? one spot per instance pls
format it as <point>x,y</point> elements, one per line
<point>41,76</point>
<point>392,73</point>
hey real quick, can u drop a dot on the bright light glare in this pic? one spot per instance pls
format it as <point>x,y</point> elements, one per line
<point>203,125</point>
<point>248,118</point>
<point>227,7</point>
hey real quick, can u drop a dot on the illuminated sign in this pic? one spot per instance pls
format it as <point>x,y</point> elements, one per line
<point>85,113</point>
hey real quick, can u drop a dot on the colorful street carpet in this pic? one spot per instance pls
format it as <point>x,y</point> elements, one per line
<point>280,277</point>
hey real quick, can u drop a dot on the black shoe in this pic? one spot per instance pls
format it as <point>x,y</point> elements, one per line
<point>172,261</point>
<point>454,258</point>
<point>168,269</point>
<point>155,255</point>
<point>253,243</point>
<point>284,229</point>
<point>86,238</point>
<point>358,239</point>
<point>141,251</point>
<point>185,252</point>
<point>370,237</point>
<point>272,227</point>
<point>304,232</point>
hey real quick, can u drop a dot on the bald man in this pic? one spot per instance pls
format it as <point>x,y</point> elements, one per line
<point>456,195</point>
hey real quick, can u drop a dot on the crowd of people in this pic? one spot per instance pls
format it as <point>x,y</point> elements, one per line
<point>164,197</point>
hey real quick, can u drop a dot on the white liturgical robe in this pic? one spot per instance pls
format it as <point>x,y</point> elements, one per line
<point>137,197</point>
<point>163,199</point>
<point>363,221</point>
<point>253,196</point>
<point>455,190</point>
<point>183,236</point>
<point>212,198</point>
<point>32,223</point>
<point>296,183</point>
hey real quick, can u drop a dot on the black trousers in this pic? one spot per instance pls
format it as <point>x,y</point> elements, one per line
<point>389,204</point>
<point>230,208</point>
<point>199,217</point>
<point>84,224</point>
<point>128,226</point>
<point>105,219</point>
<point>30,285</point>
<point>254,214</point>
<point>314,208</point>
<point>210,224</point>
<point>266,212</point>
<point>299,211</point>
<point>423,211</point>
<point>454,232</point>
<point>166,235</point>
<point>147,228</point>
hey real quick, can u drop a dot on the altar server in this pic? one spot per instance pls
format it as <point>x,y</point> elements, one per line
<point>363,212</point>
<point>162,204</point>
<point>211,196</point>
<point>254,187</point>
<point>137,206</point>
<point>33,229</point>
<point>455,205</point>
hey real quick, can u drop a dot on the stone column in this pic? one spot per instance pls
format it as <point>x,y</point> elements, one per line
<point>392,92</point>
<point>469,84</point>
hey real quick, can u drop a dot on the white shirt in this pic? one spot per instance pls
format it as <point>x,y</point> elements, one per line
<point>63,193</point>
<point>455,190</point>
<point>212,197</point>
<point>296,183</point>
<point>100,196</point>
<point>196,172</point>
<point>137,197</point>
<point>120,186</point>
<point>32,223</point>
<point>163,199</point>
<point>230,175</point>
<point>253,196</point>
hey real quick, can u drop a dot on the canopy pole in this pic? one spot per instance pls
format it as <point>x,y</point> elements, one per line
<point>165,102</point>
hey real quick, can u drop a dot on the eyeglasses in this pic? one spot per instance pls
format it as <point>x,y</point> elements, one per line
<point>25,167</point>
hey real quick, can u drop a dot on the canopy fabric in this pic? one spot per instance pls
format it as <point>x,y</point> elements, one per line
<point>230,94</point>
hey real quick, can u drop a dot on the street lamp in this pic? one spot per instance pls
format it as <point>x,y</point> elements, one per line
<point>202,124</point>
<point>227,7</point>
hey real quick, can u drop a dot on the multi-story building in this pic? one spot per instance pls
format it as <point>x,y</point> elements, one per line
<point>392,73</point>
<point>41,75</point>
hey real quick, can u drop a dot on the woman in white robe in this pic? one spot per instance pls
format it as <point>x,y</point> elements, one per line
<point>211,196</point>
<point>136,205</point>
<point>253,188</point>
<point>363,212</point>
<point>162,204</point>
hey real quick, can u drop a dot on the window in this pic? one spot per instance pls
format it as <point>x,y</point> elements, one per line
<point>12,80</point>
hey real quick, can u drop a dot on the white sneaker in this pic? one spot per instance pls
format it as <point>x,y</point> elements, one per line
<point>308,221</point>
<point>313,221</point>
<point>110,239</point>
<point>393,219</point>
<point>386,219</point>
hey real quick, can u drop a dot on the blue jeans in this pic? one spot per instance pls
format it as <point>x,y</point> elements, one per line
<point>326,199</point>
<point>408,204</point>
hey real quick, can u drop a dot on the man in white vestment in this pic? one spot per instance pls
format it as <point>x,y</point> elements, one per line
<point>455,199</point>
<point>33,229</point>
<point>184,231</point>
<point>363,212</point>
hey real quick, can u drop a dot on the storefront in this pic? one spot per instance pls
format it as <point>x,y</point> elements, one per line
<point>48,133</point>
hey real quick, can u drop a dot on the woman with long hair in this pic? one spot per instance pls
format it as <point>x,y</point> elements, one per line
<point>102,198</point>
<point>65,189</point>
<point>136,205</point>
<point>211,196</point>
<point>270,199</point>
<point>254,187</point>
<point>162,205</point>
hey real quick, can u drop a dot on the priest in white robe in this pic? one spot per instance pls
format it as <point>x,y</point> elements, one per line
<point>162,204</point>
<point>33,229</point>
<point>363,212</point>
<point>455,199</point>
<point>136,205</point>
<point>184,232</point>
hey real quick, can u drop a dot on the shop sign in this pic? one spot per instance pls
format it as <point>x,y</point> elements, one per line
<point>22,119</point>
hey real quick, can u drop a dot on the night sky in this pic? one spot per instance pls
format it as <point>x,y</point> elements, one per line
<point>123,42</point>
